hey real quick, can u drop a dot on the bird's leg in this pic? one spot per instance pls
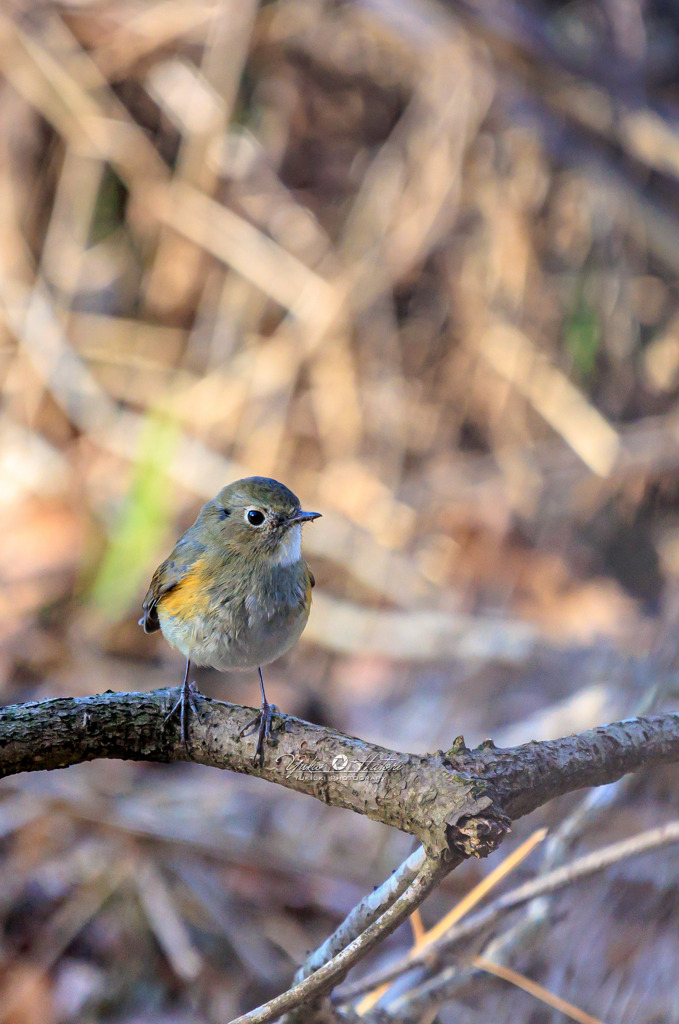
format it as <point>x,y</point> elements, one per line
<point>186,702</point>
<point>263,720</point>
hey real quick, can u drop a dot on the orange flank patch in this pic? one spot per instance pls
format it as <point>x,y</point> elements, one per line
<point>189,597</point>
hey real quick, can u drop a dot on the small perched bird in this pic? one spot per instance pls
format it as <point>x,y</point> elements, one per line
<point>235,593</point>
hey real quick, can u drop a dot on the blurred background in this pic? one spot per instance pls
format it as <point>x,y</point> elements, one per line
<point>418,261</point>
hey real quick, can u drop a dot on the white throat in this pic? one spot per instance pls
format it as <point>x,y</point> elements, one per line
<point>289,550</point>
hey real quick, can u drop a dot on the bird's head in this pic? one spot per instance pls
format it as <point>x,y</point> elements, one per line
<point>260,518</point>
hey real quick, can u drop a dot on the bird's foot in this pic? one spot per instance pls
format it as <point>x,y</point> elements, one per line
<point>185,704</point>
<point>262,721</point>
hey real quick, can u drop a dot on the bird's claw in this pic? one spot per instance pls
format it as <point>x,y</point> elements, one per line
<point>186,703</point>
<point>263,722</point>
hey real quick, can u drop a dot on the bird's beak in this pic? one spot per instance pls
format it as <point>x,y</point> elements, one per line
<point>303,517</point>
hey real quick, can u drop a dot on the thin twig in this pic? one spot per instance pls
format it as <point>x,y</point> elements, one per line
<point>326,977</point>
<point>364,913</point>
<point>538,991</point>
<point>581,868</point>
<point>429,938</point>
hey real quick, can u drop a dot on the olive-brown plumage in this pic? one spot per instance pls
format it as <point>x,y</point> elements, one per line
<point>235,592</point>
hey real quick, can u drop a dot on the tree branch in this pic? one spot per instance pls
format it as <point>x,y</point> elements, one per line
<point>459,801</point>
<point>417,794</point>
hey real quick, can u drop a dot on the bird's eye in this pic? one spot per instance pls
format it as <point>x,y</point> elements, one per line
<point>254,517</point>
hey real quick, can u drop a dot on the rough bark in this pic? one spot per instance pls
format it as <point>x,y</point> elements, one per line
<point>460,800</point>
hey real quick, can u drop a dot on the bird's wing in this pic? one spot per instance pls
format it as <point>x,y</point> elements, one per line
<point>167,576</point>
